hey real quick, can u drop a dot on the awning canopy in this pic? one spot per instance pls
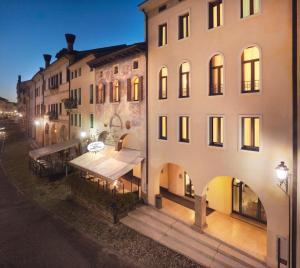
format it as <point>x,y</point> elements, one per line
<point>108,163</point>
<point>48,150</point>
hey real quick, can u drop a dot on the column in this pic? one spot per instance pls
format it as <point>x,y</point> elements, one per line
<point>200,213</point>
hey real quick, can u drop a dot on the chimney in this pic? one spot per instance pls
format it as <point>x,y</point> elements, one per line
<point>70,38</point>
<point>47,59</point>
<point>19,78</point>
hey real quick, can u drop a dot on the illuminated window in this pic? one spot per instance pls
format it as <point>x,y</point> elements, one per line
<point>250,70</point>
<point>250,133</point>
<point>249,7</point>
<point>215,13</point>
<point>115,97</point>
<point>163,83</point>
<point>162,35</point>
<point>184,80</point>
<point>135,89</point>
<point>163,128</point>
<point>101,94</point>
<point>184,135</point>
<point>216,75</point>
<point>216,131</point>
<point>184,22</point>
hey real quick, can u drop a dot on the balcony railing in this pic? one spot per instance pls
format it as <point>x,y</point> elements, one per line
<point>250,86</point>
<point>70,104</point>
<point>52,115</point>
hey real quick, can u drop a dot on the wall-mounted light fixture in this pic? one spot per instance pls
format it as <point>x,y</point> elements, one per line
<point>37,122</point>
<point>83,134</point>
<point>283,176</point>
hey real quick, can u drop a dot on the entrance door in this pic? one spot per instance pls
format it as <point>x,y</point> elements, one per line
<point>189,190</point>
<point>246,203</point>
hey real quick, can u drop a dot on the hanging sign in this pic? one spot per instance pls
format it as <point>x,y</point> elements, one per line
<point>95,146</point>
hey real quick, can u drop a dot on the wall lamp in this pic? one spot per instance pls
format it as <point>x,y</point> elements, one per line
<point>283,176</point>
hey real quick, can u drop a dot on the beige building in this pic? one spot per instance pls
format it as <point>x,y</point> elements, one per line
<point>220,115</point>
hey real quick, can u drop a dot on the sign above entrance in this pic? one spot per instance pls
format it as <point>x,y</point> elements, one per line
<point>95,146</point>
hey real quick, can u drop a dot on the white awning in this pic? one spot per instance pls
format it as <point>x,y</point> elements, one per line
<point>44,151</point>
<point>108,163</point>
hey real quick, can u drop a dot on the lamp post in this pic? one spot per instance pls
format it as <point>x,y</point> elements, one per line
<point>283,176</point>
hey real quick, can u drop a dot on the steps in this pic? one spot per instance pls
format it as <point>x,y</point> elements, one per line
<point>181,238</point>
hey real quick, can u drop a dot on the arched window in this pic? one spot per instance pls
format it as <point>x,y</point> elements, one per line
<point>216,77</point>
<point>116,91</point>
<point>251,70</point>
<point>135,89</point>
<point>184,80</point>
<point>163,83</point>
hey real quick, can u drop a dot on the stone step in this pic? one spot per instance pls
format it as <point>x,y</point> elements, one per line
<point>180,237</point>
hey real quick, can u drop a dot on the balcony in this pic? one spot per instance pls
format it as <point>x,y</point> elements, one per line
<point>52,115</point>
<point>70,104</point>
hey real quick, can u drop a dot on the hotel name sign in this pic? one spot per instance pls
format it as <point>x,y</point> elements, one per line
<point>96,146</point>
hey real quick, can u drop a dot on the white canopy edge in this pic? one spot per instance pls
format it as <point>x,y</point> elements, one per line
<point>108,163</point>
<point>48,150</point>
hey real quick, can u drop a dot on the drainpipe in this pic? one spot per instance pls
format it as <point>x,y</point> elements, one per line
<point>147,101</point>
<point>44,108</point>
<point>293,220</point>
<point>69,114</point>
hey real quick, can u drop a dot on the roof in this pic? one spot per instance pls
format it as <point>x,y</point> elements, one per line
<point>119,54</point>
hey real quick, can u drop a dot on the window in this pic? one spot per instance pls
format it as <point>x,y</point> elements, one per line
<point>75,120</point>
<point>115,91</point>
<point>79,96</point>
<point>79,120</point>
<point>184,80</point>
<point>163,128</point>
<point>183,26</point>
<point>135,89</point>
<point>75,95</point>
<point>91,94</point>
<point>250,133</point>
<point>250,70</point>
<point>91,120</point>
<point>75,73</point>
<point>101,94</point>
<point>162,35</point>
<point>60,78</point>
<point>249,7</point>
<point>184,129</point>
<point>60,108</point>
<point>216,75</point>
<point>216,126</point>
<point>162,8</point>
<point>72,75</point>
<point>116,69</point>
<point>135,64</point>
<point>163,83</point>
<point>79,72</point>
<point>215,10</point>
<point>101,74</point>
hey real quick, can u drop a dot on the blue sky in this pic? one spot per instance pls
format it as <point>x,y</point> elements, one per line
<point>31,28</point>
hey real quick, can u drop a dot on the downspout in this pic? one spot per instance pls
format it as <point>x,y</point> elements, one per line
<point>44,108</point>
<point>293,224</point>
<point>147,101</point>
<point>69,113</point>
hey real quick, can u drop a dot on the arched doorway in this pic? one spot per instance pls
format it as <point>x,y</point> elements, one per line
<point>177,191</point>
<point>53,134</point>
<point>103,136</point>
<point>237,215</point>
<point>47,139</point>
<point>63,133</point>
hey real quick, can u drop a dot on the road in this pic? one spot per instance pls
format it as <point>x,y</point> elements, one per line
<point>30,237</point>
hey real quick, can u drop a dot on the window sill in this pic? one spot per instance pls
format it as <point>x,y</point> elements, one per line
<point>215,94</point>
<point>220,145</point>
<point>250,91</point>
<point>248,148</point>
<point>184,141</point>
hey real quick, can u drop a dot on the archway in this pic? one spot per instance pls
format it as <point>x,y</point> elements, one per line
<point>177,192</point>
<point>47,139</point>
<point>53,134</point>
<point>103,136</point>
<point>63,133</point>
<point>238,216</point>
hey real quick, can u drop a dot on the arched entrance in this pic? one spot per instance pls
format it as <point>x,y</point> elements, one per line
<point>177,191</point>
<point>53,134</point>
<point>63,133</point>
<point>103,136</point>
<point>237,215</point>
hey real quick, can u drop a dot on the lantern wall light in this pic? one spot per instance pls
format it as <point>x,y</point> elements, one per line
<point>282,173</point>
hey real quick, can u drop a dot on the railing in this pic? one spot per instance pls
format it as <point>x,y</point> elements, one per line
<point>70,104</point>
<point>250,86</point>
<point>52,115</point>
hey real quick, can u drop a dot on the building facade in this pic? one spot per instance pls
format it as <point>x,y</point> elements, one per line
<point>217,73</point>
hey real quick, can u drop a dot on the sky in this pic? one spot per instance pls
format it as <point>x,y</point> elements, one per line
<point>31,28</point>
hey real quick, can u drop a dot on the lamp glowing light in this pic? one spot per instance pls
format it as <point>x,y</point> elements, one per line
<point>282,176</point>
<point>37,122</point>
<point>83,134</point>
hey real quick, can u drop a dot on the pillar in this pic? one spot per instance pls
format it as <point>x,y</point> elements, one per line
<point>200,213</point>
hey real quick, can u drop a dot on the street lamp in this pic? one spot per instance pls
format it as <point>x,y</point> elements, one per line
<point>83,134</point>
<point>282,176</point>
<point>37,122</point>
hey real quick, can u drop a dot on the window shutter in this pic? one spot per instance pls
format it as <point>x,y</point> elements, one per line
<point>141,86</point>
<point>97,94</point>
<point>111,91</point>
<point>128,89</point>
